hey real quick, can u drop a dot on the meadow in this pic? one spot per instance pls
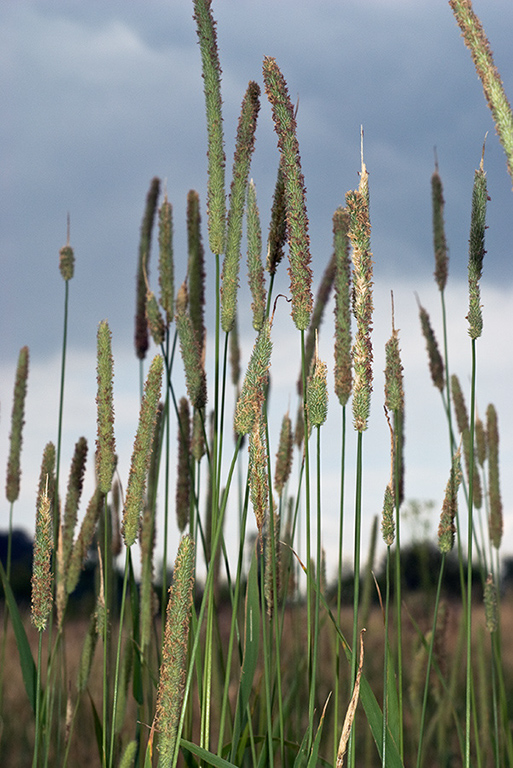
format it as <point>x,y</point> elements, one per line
<point>246,654</point>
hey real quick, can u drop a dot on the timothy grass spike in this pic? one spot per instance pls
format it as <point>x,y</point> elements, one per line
<point>255,266</point>
<point>436,363</point>
<point>105,442</point>
<point>297,218</point>
<point>42,566</point>
<point>252,393</point>
<point>195,377</point>
<point>216,199</point>
<point>166,264</point>
<point>446,528</point>
<point>245,142</point>
<point>342,311</point>
<point>359,234</point>
<point>174,652</point>
<point>141,326</point>
<point>183,480</point>
<point>12,488</point>
<point>196,269</point>
<point>134,500</point>
<point>439,241</point>
<point>476,251</point>
<point>496,518</point>
<point>476,41</point>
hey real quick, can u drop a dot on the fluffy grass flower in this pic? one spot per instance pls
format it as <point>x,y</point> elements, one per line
<point>195,377</point>
<point>436,364</point>
<point>183,480</point>
<point>439,241</point>
<point>196,269</point>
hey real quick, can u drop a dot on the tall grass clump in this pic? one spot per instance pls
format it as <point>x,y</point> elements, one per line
<point>243,653</point>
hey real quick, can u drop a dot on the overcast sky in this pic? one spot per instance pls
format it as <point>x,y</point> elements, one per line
<point>99,97</point>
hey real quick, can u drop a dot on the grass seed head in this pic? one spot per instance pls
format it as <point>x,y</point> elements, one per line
<point>295,196</point>
<point>439,241</point>
<point>105,442</point>
<point>491,605</point>
<point>245,142</point>
<point>342,311</point>
<point>134,501</point>
<point>66,262</point>
<point>12,488</point>
<point>196,269</point>
<point>141,327</point>
<point>252,393</point>
<point>496,523</point>
<point>255,266</point>
<point>42,600</point>
<point>174,651</point>
<point>476,252</point>
<point>216,200</point>
<point>183,480</point>
<point>436,364</point>
<point>284,455</point>
<point>387,521</point>
<point>446,528</point>
<point>166,264</point>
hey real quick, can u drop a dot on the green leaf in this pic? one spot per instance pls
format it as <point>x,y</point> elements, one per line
<point>208,757</point>
<point>250,658</point>
<point>28,667</point>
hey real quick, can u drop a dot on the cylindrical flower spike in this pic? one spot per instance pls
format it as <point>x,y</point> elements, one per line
<point>439,241</point>
<point>479,47</point>
<point>154,319</point>
<point>255,266</point>
<point>183,480</point>
<point>42,566</point>
<point>297,218</point>
<point>134,500</point>
<point>66,262</point>
<point>251,397</point>
<point>195,377</point>
<point>491,606</point>
<point>141,326</point>
<point>387,520</point>
<point>476,251</point>
<point>243,150</point>
<point>74,492</point>
<point>446,529</point>
<point>83,540</point>
<point>342,311</point>
<point>359,234</point>
<point>258,474</point>
<point>436,364</point>
<point>278,229</point>
<point>105,443</point>
<point>166,264</point>
<point>317,393</point>
<point>321,299</point>
<point>216,200</point>
<point>496,519</point>
<point>284,454</point>
<point>12,489</point>
<point>196,269</point>
<point>174,652</point>
<point>460,410</point>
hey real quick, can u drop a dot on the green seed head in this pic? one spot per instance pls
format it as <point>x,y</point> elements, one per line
<point>66,262</point>
<point>252,393</point>
<point>105,442</point>
<point>42,566</point>
<point>12,489</point>
<point>134,500</point>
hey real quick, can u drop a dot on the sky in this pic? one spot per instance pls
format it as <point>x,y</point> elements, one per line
<point>99,97</point>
